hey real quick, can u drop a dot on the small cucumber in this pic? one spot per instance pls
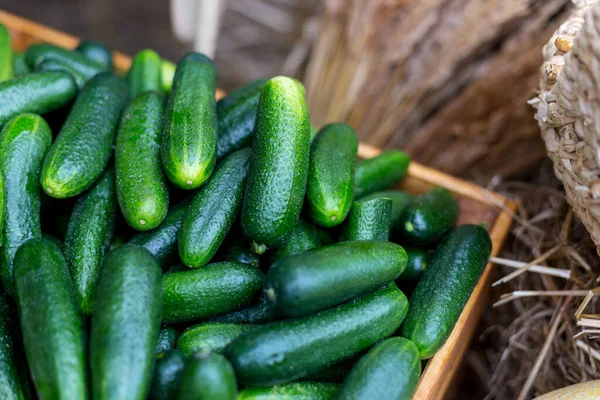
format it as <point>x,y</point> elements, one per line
<point>20,67</point>
<point>213,210</point>
<point>418,259</point>
<point>380,172</point>
<point>217,288</point>
<point>213,336</point>
<point>428,217</point>
<point>318,279</point>
<point>278,166</point>
<point>51,238</point>
<point>238,250</point>
<point>96,52</point>
<point>190,134</point>
<point>392,360</point>
<point>144,73</point>
<point>11,387</point>
<point>125,324</point>
<point>75,61</point>
<point>167,73</point>
<point>84,145</point>
<point>208,376</point>
<point>283,351</point>
<point>441,294</point>
<point>330,184</point>
<point>369,220</point>
<point>24,142</point>
<point>400,200</point>
<point>167,375</point>
<point>51,326</point>
<point>60,65</point>
<point>142,187</point>
<point>259,313</point>
<point>303,237</point>
<point>167,339</point>
<point>6,55</point>
<point>292,391</point>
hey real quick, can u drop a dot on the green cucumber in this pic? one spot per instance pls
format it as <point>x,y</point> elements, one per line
<point>239,250</point>
<point>36,93</point>
<point>333,373</point>
<point>51,238</point>
<point>96,52</point>
<point>392,360</point>
<point>369,220</point>
<point>259,313</point>
<point>125,324</point>
<point>418,259</point>
<point>283,351</point>
<point>167,375</point>
<point>167,73</point>
<point>400,200</point>
<point>213,210</point>
<point>24,142</point>
<point>325,237</point>
<point>142,187</point>
<point>11,386</point>
<point>279,164</point>
<point>6,55</point>
<point>380,172</point>
<point>84,145</point>
<point>20,67</point>
<point>60,65</point>
<point>292,391</point>
<point>236,115</point>
<point>207,376</point>
<point>318,279</point>
<point>446,285</point>
<point>88,238</point>
<point>167,339</point>
<point>304,237</point>
<point>330,185</point>
<point>428,217</point>
<point>190,133</point>
<point>213,336</point>
<point>144,73</point>
<point>75,61</point>
<point>217,288</point>
<point>51,326</point>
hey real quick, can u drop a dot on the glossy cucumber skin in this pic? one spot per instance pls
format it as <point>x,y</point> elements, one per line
<point>217,288</point>
<point>35,93</point>
<point>213,210</point>
<point>142,187</point>
<point>292,391</point>
<point>330,185</point>
<point>393,360</point>
<point>88,238</point>
<point>208,376</point>
<point>304,237</point>
<point>318,279</point>
<point>167,339</point>
<point>239,250</point>
<point>400,200</point>
<point>76,61</point>
<point>96,52</point>
<point>418,260</point>
<point>125,324</point>
<point>190,133</point>
<point>51,326</point>
<point>259,313</point>
<point>6,55</point>
<point>428,217</point>
<point>84,145</point>
<point>279,164</point>
<point>24,142</point>
<point>144,73</point>
<point>11,387</point>
<point>60,65</point>
<point>211,336</point>
<point>369,220</point>
<point>446,285</point>
<point>20,67</point>
<point>167,375</point>
<point>380,172</point>
<point>167,73</point>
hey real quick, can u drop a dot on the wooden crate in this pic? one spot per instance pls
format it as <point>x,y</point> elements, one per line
<point>477,205</point>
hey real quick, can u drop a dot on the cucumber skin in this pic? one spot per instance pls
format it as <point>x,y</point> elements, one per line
<point>259,313</point>
<point>445,287</point>
<point>213,211</point>
<point>190,132</point>
<point>20,67</point>
<point>76,61</point>
<point>217,288</point>
<point>330,185</point>
<point>96,52</point>
<point>304,237</point>
<point>142,187</point>
<point>418,260</point>
<point>6,61</point>
<point>393,360</point>
<point>210,336</point>
<point>428,217</point>
<point>292,391</point>
<point>89,234</point>
<point>125,324</point>
<point>167,73</point>
<point>308,282</point>
<point>24,142</point>
<point>369,220</point>
<point>59,65</point>
<point>11,387</point>
<point>144,73</point>
<point>380,172</point>
<point>400,200</point>
<point>239,251</point>
<point>167,375</point>
<point>208,376</point>
<point>167,339</point>
<point>84,145</point>
<point>35,93</point>
<point>52,328</point>
<point>278,165</point>
<point>290,349</point>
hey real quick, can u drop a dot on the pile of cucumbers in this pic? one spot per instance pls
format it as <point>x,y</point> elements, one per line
<point>159,244</point>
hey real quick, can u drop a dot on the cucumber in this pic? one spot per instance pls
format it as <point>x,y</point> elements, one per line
<point>239,250</point>
<point>144,73</point>
<point>303,237</point>
<point>283,351</point>
<point>212,336</point>
<point>441,294</point>
<point>369,220</point>
<point>278,166</point>
<point>428,217</point>
<point>217,288</point>
<point>318,279</point>
<point>20,67</point>
<point>51,326</point>
<point>96,52</point>
<point>213,210</point>
<point>6,55</point>
<point>259,313</point>
<point>330,184</point>
<point>236,115</point>
<point>125,324</point>
<point>400,200</point>
<point>84,145</point>
<point>11,386</point>
<point>142,187</point>
<point>380,172</point>
<point>325,237</point>
<point>36,93</point>
<point>167,72</point>
<point>167,339</point>
<point>88,238</point>
<point>292,391</point>
<point>393,360</point>
<point>167,375</point>
<point>334,373</point>
<point>60,65</point>
<point>24,142</point>
<point>418,259</point>
<point>208,376</point>
<point>75,61</point>
<point>190,133</point>
<point>51,238</point>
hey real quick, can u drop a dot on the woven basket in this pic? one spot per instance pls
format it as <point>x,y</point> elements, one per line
<point>568,110</point>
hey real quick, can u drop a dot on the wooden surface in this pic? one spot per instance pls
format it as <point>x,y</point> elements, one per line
<point>477,206</point>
